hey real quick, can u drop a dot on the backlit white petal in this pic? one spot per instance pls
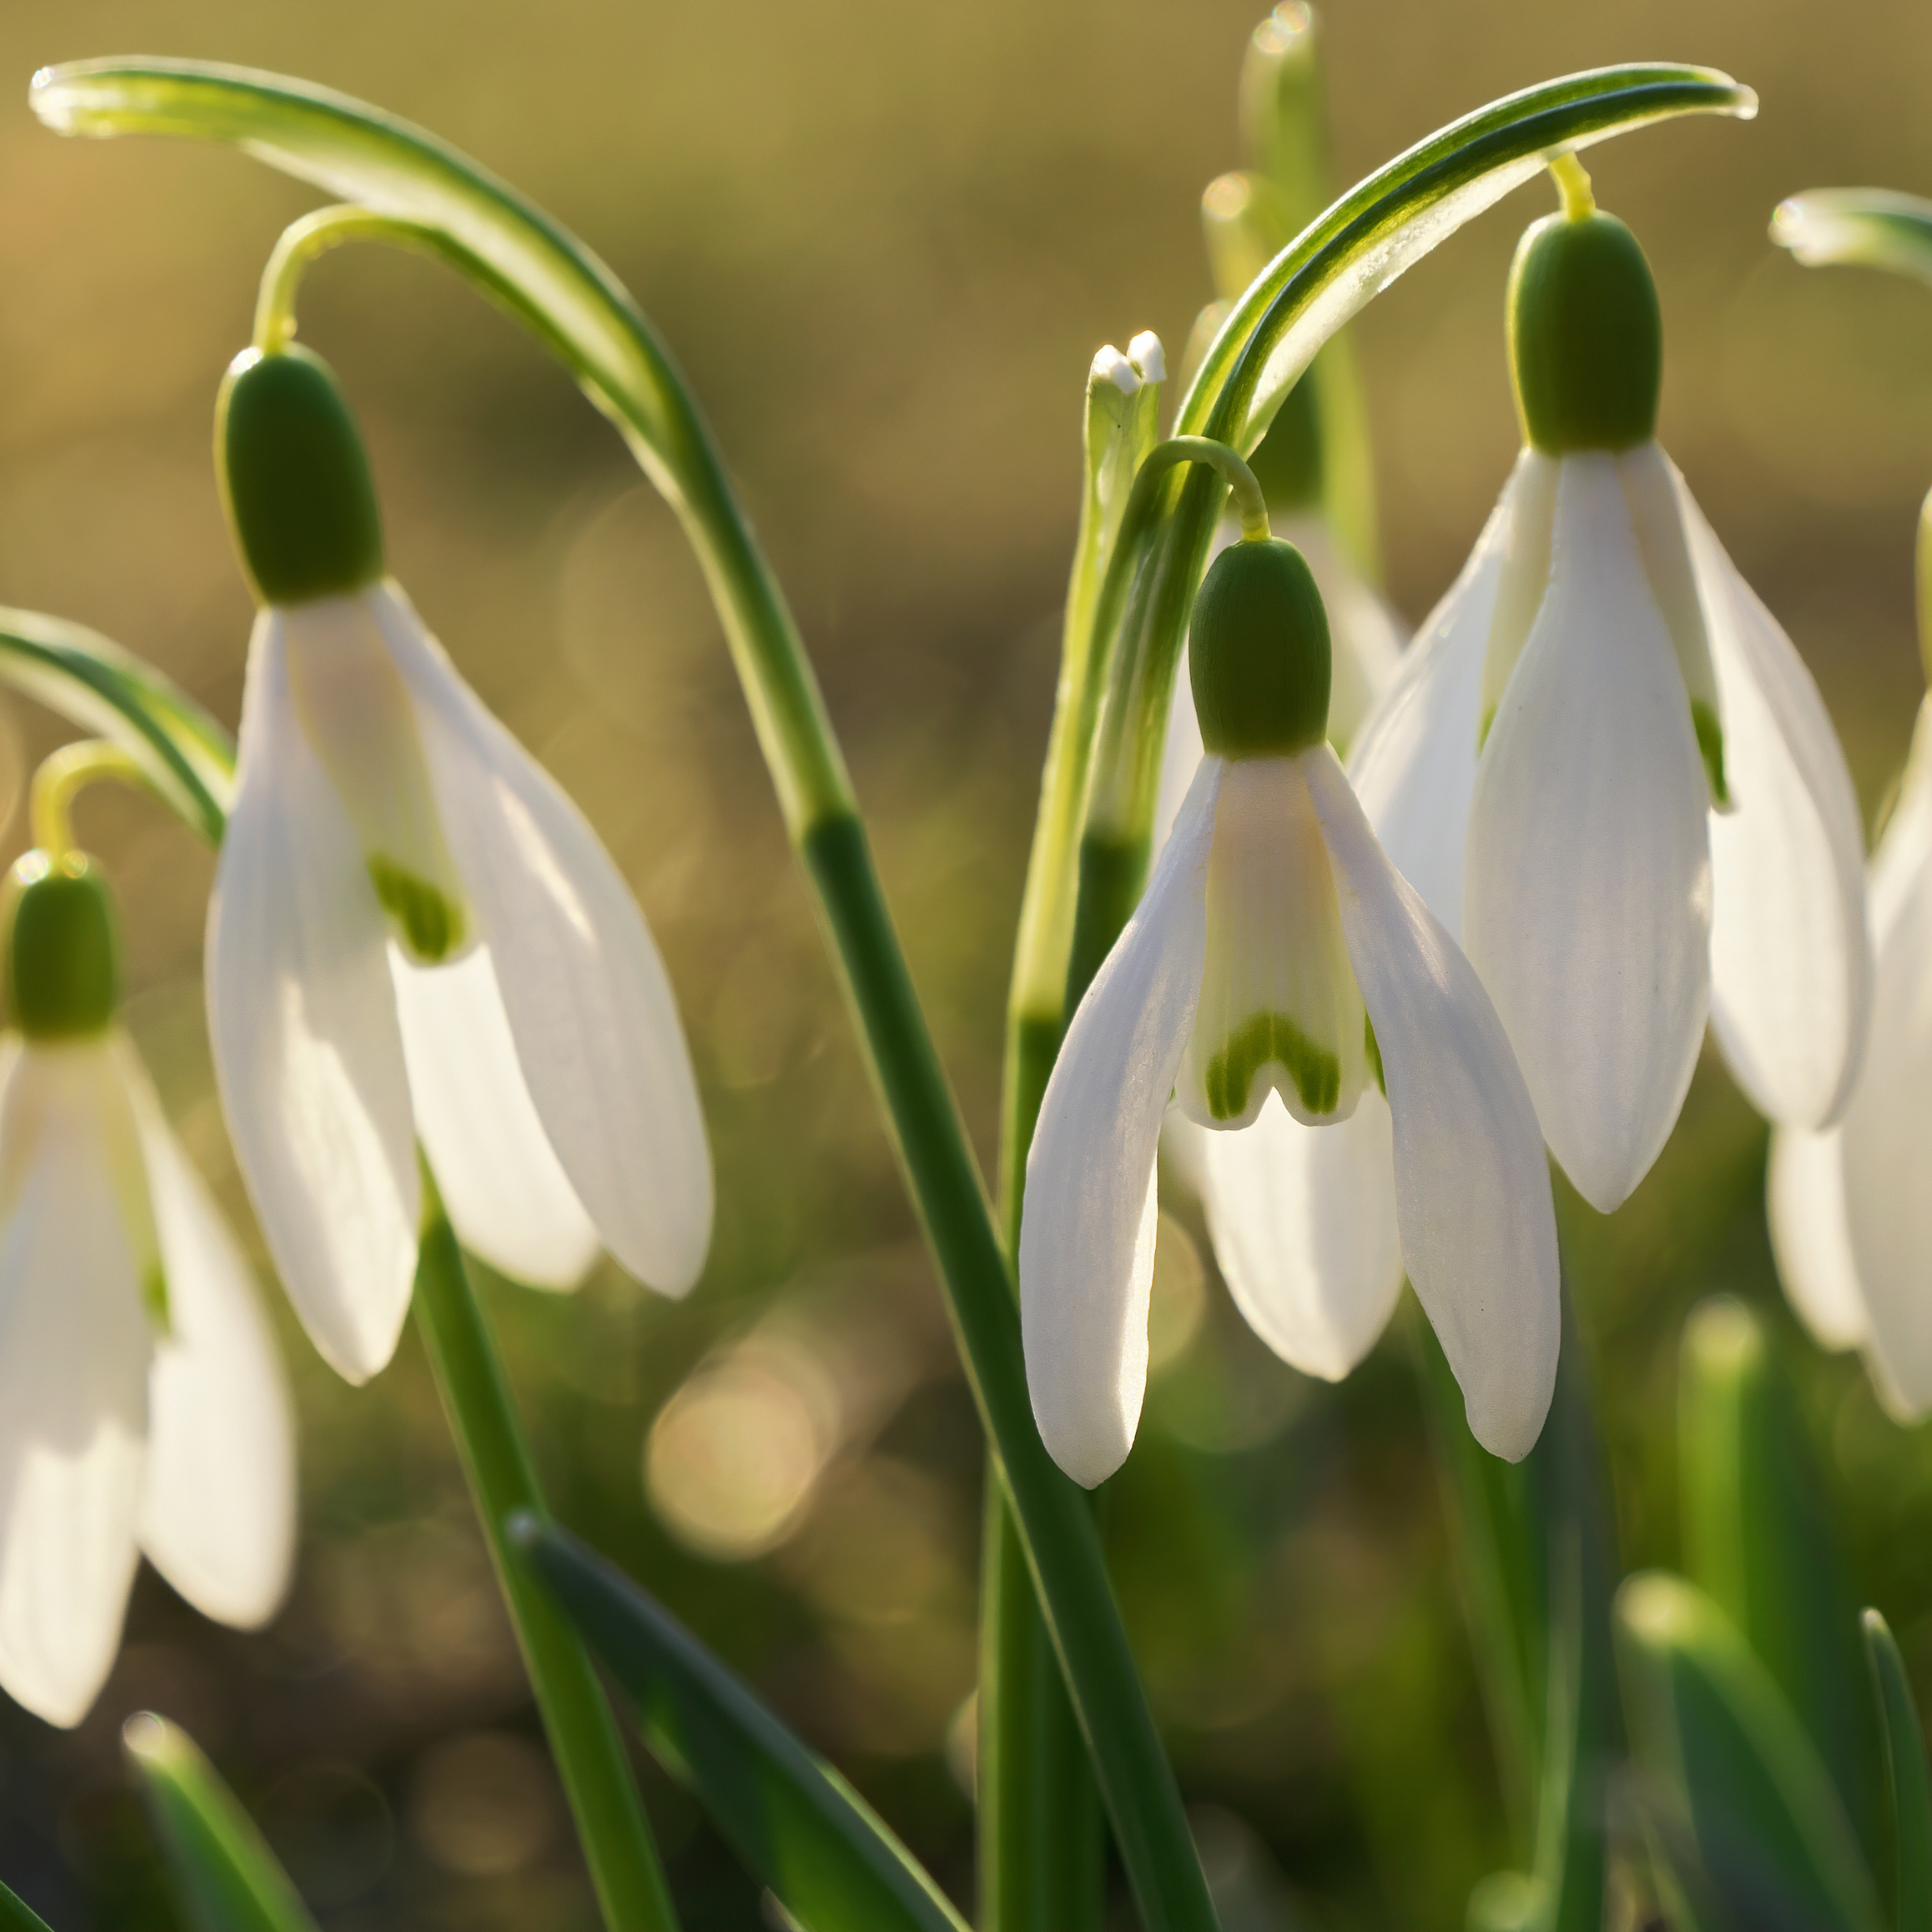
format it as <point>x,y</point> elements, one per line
<point>589,1004</point>
<point>1886,1131</point>
<point>1804,1200</point>
<point>218,1512</point>
<point>1527,532</point>
<point>1087,1225</point>
<point>1586,900</point>
<point>1791,966</point>
<point>1413,767</point>
<point>302,1020</point>
<point>75,1344</point>
<point>1278,1006</point>
<point>509,1199</point>
<point>1303,1223</point>
<point>1472,1185</point>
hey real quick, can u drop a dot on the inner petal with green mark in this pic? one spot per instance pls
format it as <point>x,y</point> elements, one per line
<point>1279,1006</point>
<point>355,711</point>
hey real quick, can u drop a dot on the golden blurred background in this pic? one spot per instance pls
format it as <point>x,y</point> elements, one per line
<point>883,242</point>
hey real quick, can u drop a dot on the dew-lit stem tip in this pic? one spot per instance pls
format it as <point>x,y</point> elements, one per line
<point>299,245</point>
<point>61,774</point>
<point>1572,187</point>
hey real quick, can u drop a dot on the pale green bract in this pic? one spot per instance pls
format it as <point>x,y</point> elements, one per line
<point>1873,227</point>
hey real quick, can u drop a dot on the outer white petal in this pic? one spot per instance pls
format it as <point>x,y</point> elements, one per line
<point>302,1018</point>
<point>1087,1225</point>
<point>1303,1221</point>
<point>509,1199</point>
<point>1888,1127</point>
<point>1181,752</point>
<point>217,1516</point>
<point>1586,902</point>
<point>1414,766</point>
<point>589,1004</point>
<point>75,1343</point>
<point>1472,1186</point>
<point>1804,1199</point>
<point>1791,966</point>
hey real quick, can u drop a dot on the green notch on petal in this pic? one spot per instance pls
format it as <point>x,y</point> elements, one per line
<point>1710,748</point>
<point>154,1294</point>
<point>1272,1037</point>
<point>429,924</point>
<point>1373,1047</point>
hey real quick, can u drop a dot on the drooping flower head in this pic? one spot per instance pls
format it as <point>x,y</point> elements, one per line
<point>1604,764</point>
<point>1277,951</point>
<point>142,1403</point>
<point>414,934</point>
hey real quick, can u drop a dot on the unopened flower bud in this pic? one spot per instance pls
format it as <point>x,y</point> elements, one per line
<point>1258,652</point>
<point>294,479</point>
<point>1585,336</point>
<point>64,968</point>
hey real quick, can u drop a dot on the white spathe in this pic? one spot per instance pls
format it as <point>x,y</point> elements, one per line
<point>1851,1212</point>
<point>541,1061</point>
<point>119,1434</point>
<point>1471,1191</point>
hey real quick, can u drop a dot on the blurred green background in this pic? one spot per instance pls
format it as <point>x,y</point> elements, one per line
<point>883,242</point>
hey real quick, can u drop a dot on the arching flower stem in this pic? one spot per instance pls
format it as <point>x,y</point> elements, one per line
<point>61,775</point>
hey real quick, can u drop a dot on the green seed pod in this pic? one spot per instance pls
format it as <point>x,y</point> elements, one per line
<point>1258,647</point>
<point>294,479</point>
<point>63,952</point>
<point>1585,336</point>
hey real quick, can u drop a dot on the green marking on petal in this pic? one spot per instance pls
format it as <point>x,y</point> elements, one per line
<point>429,924</point>
<point>1711,745</point>
<point>1373,1047</point>
<point>1482,731</point>
<point>1272,1037</point>
<point>154,1294</point>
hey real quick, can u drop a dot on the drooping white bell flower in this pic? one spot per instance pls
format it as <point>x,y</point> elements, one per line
<point>414,934</point>
<point>142,1402</point>
<point>1276,950</point>
<point>1604,765</point>
<point>1851,1211</point>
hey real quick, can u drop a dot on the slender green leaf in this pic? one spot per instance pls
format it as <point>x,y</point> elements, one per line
<point>1873,227</point>
<point>1906,1773</point>
<point>16,1916</point>
<point>798,1826</point>
<point>227,1877</point>
<point>88,680</point>
<point>1756,1540</point>
<point>1728,1765</point>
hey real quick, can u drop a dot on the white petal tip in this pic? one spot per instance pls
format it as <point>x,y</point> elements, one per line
<point>1146,353</point>
<point>1110,366</point>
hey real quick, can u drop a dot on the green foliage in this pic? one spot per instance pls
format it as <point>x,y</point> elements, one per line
<point>227,1878</point>
<point>798,1826</point>
<point>1906,1774</point>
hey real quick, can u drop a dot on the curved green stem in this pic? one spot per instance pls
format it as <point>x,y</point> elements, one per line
<point>583,1733</point>
<point>62,774</point>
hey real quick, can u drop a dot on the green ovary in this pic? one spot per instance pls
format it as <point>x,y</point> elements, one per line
<point>1266,1037</point>
<point>429,924</point>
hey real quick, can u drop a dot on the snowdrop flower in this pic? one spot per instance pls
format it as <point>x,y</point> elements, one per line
<point>1606,768</point>
<point>414,934</point>
<point>1851,1213</point>
<point>1277,949</point>
<point>142,1405</point>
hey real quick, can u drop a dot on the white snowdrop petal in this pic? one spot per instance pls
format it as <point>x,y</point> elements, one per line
<point>1791,965</point>
<point>302,1021</point>
<point>589,1004</point>
<point>1527,533</point>
<point>1473,1199</point>
<point>1886,1133</point>
<point>1586,898</point>
<point>75,1343</point>
<point>1804,1201</point>
<point>218,1511</point>
<point>1181,753</point>
<point>1413,766</point>
<point>1279,1006</point>
<point>508,1197</point>
<point>1302,1223</point>
<point>1087,1224</point>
